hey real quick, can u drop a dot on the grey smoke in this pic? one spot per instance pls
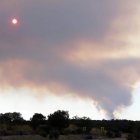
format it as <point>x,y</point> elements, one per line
<point>47,32</point>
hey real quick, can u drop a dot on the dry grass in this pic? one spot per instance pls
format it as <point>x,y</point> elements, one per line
<point>27,137</point>
<point>36,137</point>
<point>74,137</point>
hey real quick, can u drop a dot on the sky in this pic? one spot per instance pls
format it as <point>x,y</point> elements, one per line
<point>75,55</point>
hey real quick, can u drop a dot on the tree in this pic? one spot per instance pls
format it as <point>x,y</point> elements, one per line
<point>14,117</point>
<point>59,119</point>
<point>84,123</point>
<point>137,133</point>
<point>37,120</point>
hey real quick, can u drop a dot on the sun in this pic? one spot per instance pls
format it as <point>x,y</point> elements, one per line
<point>14,21</point>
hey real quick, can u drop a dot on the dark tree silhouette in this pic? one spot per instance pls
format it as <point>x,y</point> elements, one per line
<point>37,120</point>
<point>14,117</point>
<point>84,123</point>
<point>59,119</point>
<point>137,133</point>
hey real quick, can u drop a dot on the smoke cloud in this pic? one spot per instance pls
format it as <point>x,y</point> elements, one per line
<point>80,47</point>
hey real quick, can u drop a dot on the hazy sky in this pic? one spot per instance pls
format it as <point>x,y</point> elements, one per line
<point>75,55</point>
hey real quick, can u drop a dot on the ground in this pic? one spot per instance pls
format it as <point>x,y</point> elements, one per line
<point>36,137</point>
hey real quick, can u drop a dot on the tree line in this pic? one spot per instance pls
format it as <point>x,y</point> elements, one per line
<point>59,123</point>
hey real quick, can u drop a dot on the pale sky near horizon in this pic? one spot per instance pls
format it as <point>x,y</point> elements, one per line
<point>75,55</point>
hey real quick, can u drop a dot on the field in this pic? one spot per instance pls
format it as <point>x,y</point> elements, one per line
<point>36,137</point>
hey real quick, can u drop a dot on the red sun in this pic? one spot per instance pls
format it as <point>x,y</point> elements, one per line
<point>14,21</point>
